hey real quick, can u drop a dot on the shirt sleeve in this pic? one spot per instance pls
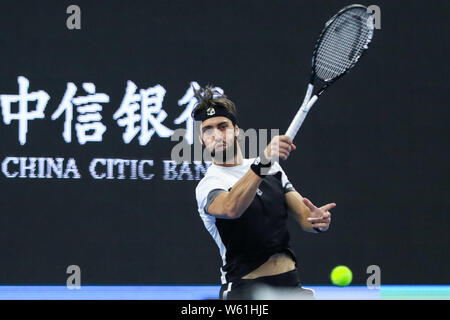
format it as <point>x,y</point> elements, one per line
<point>287,185</point>
<point>207,190</point>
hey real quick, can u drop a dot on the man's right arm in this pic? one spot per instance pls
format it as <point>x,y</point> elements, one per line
<point>232,204</point>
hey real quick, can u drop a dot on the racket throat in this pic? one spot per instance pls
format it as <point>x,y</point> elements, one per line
<point>310,103</point>
<point>308,94</point>
<point>325,87</point>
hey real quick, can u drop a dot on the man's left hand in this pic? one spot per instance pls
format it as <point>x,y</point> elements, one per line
<point>320,217</point>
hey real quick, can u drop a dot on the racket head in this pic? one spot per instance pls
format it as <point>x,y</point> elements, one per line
<point>344,39</point>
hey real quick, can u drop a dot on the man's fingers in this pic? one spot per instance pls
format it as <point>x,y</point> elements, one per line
<point>283,154</point>
<point>321,225</point>
<point>285,139</point>
<point>285,147</point>
<point>318,220</point>
<point>328,207</point>
<point>309,204</point>
<point>282,146</point>
<point>324,220</point>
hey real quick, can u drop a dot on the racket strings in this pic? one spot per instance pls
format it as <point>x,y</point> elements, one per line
<point>342,43</point>
<point>343,38</point>
<point>338,50</point>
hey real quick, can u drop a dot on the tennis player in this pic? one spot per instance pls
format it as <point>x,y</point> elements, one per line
<point>244,204</point>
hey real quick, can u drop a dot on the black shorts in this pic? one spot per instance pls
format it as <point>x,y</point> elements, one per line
<point>280,286</point>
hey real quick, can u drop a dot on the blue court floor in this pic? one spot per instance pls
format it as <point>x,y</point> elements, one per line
<point>191,292</point>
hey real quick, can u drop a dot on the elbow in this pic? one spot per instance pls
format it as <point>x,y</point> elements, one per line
<point>234,215</point>
<point>232,212</point>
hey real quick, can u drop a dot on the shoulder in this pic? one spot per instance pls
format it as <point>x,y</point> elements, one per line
<point>210,175</point>
<point>211,180</point>
<point>204,181</point>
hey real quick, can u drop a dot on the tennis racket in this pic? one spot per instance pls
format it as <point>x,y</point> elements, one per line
<point>344,39</point>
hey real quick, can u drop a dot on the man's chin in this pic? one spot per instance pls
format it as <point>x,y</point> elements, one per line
<point>223,155</point>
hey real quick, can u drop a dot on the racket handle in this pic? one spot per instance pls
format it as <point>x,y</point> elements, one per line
<point>299,118</point>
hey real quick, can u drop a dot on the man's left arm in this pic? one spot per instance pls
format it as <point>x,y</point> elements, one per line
<point>311,218</point>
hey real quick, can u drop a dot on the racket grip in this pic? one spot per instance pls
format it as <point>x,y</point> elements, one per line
<point>299,118</point>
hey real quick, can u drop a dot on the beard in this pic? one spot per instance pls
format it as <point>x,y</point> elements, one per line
<point>226,155</point>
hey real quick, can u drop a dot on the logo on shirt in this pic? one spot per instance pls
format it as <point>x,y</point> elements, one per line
<point>259,192</point>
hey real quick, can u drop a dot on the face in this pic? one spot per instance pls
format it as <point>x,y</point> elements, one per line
<point>218,134</point>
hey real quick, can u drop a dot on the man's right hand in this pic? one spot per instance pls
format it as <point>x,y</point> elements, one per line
<point>279,147</point>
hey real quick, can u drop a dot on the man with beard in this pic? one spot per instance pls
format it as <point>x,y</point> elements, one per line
<point>244,204</point>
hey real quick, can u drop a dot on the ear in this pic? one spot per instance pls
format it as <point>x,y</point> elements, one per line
<point>201,141</point>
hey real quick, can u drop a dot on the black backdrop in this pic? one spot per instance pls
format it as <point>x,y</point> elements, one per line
<point>376,143</point>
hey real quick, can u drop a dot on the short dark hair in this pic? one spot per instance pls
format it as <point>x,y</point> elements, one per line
<point>209,97</point>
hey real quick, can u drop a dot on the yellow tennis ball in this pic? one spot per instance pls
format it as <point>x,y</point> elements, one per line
<point>341,276</point>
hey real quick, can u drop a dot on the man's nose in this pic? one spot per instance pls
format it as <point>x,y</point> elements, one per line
<point>218,136</point>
